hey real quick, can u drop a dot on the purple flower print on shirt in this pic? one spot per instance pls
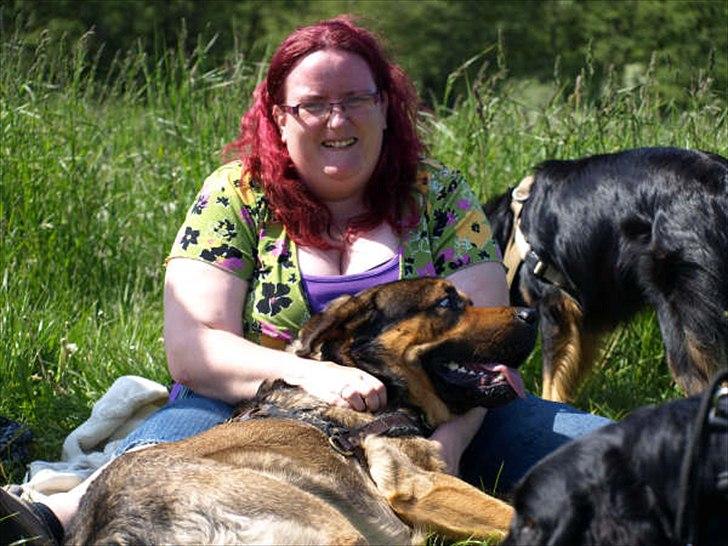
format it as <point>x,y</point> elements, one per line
<point>232,264</point>
<point>427,271</point>
<point>278,248</point>
<point>275,332</point>
<point>201,203</point>
<point>246,216</point>
<point>447,253</point>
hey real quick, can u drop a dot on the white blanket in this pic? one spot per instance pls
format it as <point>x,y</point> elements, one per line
<point>129,400</point>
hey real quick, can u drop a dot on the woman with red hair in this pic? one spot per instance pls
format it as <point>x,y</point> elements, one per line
<point>328,194</point>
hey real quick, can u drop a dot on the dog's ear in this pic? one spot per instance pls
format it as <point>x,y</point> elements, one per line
<point>498,212</point>
<point>573,522</point>
<point>628,511</point>
<point>342,315</point>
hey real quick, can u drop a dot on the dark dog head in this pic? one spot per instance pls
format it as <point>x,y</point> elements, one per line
<point>426,342</point>
<point>587,495</point>
<point>621,484</point>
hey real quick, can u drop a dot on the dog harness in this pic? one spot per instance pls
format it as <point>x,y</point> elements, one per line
<point>712,418</point>
<point>346,441</point>
<point>519,251</point>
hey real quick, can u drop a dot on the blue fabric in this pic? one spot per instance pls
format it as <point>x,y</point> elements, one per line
<point>188,414</point>
<point>516,436</point>
<point>512,439</point>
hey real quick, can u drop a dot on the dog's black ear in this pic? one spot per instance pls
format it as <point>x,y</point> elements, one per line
<point>572,524</point>
<point>627,511</point>
<point>500,216</point>
<point>341,315</point>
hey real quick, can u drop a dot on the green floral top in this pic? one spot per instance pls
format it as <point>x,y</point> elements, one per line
<point>231,226</point>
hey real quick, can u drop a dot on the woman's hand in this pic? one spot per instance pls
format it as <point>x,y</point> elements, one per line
<point>455,435</point>
<point>341,386</point>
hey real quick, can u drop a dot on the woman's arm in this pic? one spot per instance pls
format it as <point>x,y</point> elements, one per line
<point>203,310</point>
<point>485,283</point>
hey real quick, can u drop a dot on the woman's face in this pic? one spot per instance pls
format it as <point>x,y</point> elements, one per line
<point>335,154</point>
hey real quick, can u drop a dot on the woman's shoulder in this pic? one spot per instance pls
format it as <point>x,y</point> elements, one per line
<point>233,175</point>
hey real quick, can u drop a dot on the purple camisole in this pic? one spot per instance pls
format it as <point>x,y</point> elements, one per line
<point>321,289</point>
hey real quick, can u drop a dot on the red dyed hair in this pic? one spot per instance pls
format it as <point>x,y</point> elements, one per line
<point>388,193</point>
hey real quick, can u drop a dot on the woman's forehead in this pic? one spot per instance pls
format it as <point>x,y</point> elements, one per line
<point>327,73</point>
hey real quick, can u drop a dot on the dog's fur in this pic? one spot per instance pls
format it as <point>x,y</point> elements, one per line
<point>276,479</point>
<point>641,227</point>
<point>621,485</point>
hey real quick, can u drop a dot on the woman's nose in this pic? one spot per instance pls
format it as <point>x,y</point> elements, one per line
<point>337,115</point>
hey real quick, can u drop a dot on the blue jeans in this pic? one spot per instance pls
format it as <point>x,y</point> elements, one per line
<point>512,439</point>
<point>516,436</point>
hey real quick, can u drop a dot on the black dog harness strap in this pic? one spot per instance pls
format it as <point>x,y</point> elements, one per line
<point>712,418</point>
<point>393,424</point>
<point>346,441</point>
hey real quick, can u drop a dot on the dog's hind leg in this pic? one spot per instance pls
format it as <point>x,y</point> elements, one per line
<point>568,349</point>
<point>432,500</point>
<point>691,360</point>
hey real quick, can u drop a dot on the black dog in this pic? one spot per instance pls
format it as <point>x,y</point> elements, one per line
<point>630,483</point>
<point>609,234</point>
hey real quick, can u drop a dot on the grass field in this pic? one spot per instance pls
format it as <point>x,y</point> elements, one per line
<point>98,172</point>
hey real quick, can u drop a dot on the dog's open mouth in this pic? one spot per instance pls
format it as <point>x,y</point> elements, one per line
<point>492,384</point>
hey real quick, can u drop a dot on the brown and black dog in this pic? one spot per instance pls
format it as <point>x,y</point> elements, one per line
<point>292,469</point>
<point>601,237</point>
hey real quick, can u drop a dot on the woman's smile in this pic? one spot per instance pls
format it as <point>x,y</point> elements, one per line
<point>339,144</point>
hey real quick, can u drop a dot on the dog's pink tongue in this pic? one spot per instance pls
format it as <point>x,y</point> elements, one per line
<point>513,377</point>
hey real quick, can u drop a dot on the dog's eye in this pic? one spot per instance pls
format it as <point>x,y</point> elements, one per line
<point>450,302</point>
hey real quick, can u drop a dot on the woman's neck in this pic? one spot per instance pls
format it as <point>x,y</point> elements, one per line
<point>344,210</point>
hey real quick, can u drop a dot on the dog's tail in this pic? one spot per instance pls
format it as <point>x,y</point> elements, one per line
<point>682,274</point>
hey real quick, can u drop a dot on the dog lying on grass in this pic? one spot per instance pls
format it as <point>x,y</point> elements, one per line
<point>292,469</point>
<point>601,237</point>
<point>627,483</point>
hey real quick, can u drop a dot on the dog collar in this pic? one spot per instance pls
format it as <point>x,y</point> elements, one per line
<point>344,440</point>
<point>519,251</point>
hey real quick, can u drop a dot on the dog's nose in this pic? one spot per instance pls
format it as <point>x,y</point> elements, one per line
<point>527,314</point>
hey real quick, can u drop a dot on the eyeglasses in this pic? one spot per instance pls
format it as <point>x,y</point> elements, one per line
<point>317,111</point>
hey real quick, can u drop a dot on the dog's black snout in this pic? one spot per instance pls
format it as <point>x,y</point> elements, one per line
<point>528,315</point>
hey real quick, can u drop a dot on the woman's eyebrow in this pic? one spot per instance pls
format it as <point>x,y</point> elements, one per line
<point>317,96</point>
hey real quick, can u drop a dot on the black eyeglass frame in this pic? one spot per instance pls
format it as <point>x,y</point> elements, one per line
<point>293,109</point>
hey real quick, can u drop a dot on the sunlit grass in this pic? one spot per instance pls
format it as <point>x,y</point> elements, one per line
<point>97,174</point>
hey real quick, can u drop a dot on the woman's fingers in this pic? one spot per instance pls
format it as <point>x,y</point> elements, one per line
<point>363,392</point>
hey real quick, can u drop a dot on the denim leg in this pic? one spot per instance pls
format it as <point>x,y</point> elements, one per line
<point>188,414</point>
<point>516,436</point>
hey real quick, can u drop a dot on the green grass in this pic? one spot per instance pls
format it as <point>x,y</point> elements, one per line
<point>97,174</point>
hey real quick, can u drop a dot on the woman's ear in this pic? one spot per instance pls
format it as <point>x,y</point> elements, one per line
<point>280,116</point>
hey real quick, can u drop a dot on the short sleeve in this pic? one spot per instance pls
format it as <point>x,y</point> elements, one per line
<point>459,232</point>
<point>220,226</point>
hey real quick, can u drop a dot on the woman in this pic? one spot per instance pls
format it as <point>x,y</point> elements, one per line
<point>328,196</point>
